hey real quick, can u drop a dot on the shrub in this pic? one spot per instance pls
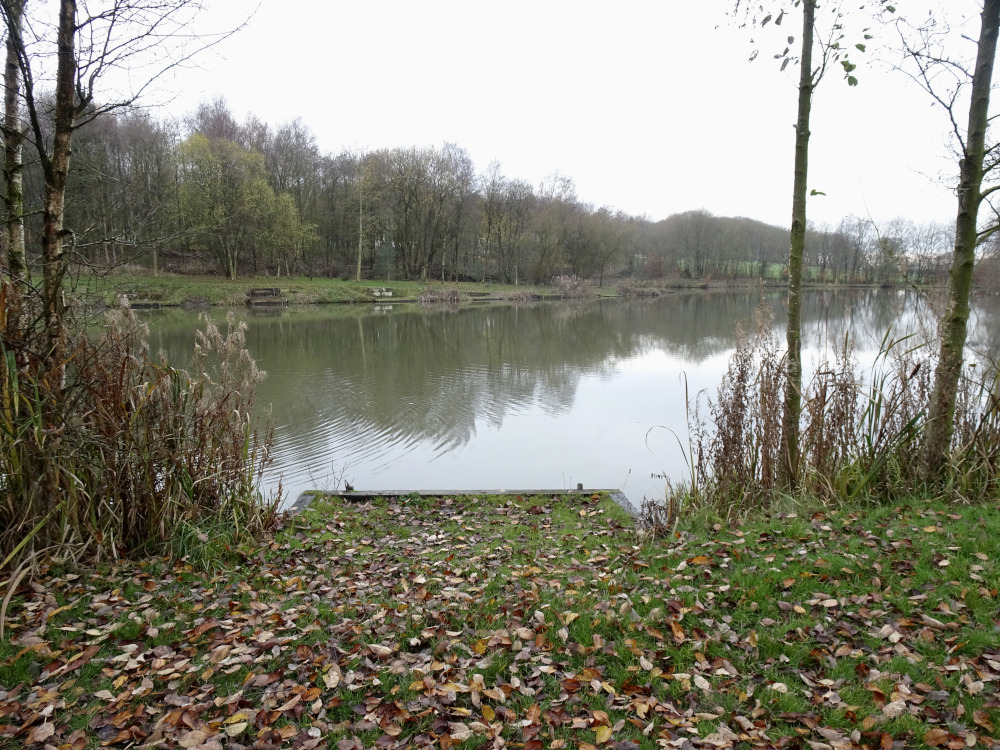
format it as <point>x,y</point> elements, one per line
<point>738,451</point>
<point>862,437</point>
<point>630,288</point>
<point>131,448</point>
<point>432,296</point>
<point>571,286</point>
<point>521,295</point>
<point>862,432</point>
<point>659,519</point>
<point>975,466</point>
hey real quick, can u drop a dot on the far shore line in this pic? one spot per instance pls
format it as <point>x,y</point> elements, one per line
<point>198,292</point>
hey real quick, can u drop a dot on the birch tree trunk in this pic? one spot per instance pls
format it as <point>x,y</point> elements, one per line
<point>13,135</point>
<point>953,327</point>
<point>55,169</point>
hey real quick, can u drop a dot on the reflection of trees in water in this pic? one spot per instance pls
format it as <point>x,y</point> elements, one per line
<point>866,315</point>
<point>421,374</point>
<point>430,375</point>
<point>869,316</point>
<point>984,327</point>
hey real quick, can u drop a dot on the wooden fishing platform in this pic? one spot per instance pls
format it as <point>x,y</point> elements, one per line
<point>306,498</point>
<point>265,297</point>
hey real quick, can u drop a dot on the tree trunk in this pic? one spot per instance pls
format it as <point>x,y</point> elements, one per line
<point>361,233</point>
<point>231,257</point>
<point>953,328</point>
<point>56,168</point>
<point>13,133</point>
<point>793,385</point>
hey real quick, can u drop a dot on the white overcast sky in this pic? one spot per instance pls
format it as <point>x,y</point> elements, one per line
<point>651,106</point>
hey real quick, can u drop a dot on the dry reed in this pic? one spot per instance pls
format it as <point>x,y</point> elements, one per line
<point>862,430</point>
<point>132,448</point>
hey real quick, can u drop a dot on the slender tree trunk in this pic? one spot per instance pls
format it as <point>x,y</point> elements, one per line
<point>793,385</point>
<point>56,168</point>
<point>13,133</point>
<point>231,257</point>
<point>953,328</point>
<point>361,226</point>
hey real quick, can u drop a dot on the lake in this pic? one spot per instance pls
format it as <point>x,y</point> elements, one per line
<point>539,396</point>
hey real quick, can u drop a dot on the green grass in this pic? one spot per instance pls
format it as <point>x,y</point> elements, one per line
<point>461,620</point>
<point>174,289</point>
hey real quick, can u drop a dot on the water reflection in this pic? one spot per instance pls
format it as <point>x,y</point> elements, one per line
<point>512,396</point>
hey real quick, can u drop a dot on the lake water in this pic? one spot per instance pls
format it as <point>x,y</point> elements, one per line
<point>541,396</point>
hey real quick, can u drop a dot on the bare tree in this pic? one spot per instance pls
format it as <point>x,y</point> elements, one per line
<point>88,40</point>
<point>945,79</point>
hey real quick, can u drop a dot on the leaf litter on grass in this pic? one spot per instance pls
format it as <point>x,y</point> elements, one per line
<point>534,622</point>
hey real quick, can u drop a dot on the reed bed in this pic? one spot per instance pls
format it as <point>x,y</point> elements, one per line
<point>131,454</point>
<point>862,429</point>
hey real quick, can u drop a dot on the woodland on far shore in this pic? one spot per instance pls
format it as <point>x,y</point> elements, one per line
<point>211,195</point>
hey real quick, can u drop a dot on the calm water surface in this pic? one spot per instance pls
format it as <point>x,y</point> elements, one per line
<point>512,397</point>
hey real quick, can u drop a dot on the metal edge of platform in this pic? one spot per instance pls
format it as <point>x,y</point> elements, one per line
<point>304,499</point>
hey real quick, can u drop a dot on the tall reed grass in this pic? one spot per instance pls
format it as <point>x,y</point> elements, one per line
<point>132,450</point>
<point>434,296</point>
<point>861,433</point>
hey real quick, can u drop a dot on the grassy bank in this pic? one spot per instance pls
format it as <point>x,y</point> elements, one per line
<point>213,290</point>
<point>171,289</point>
<point>544,622</point>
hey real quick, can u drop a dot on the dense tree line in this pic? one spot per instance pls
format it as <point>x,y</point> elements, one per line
<point>213,194</point>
